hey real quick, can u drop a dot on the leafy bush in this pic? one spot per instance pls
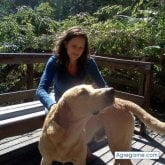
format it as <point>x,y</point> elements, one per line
<point>108,12</point>
<point>28,29</point>
<point>121,29</point>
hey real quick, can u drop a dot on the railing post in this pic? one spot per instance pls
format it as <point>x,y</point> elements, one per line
<point>29,76</point>
<point>147,93</point>
<point>148,86</point>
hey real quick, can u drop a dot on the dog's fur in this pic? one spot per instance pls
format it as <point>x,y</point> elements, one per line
<point>118,122</point>
<point>63,135</point>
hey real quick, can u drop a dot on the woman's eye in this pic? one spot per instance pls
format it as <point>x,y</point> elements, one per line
<point>81,48</point>
<point>76,47</point>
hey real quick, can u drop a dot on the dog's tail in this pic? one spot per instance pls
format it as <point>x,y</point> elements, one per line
<point>150,121</point>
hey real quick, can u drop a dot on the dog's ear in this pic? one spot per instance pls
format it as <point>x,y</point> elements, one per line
<point>62,114</point>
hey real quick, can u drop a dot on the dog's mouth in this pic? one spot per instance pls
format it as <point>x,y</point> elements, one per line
<point>96,113</point>
<point>107,101</point>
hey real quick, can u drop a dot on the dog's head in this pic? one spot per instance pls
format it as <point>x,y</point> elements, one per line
<point>85,99</point>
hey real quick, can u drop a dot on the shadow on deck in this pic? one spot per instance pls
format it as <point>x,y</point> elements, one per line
<point>15,151</point>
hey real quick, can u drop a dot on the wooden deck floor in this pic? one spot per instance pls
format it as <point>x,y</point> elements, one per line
<point>24,154</point>
<point>150,143</point>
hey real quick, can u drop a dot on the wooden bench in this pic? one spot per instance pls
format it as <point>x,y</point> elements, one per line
<point>22,117</point>
<point>20,124</point>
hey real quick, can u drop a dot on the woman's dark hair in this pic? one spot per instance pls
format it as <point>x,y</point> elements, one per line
<point>60,48</point>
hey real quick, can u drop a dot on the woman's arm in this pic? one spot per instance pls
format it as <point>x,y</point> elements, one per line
<point>45,82</point>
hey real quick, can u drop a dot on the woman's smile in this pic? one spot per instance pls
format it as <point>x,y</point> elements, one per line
<point>75,47</point>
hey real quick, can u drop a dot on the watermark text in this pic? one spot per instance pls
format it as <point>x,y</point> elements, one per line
<point>137,155</point>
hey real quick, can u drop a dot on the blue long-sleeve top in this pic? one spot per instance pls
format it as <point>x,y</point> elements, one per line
<point>63,81</point>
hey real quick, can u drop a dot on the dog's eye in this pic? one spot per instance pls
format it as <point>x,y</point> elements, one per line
<point>83,91</point>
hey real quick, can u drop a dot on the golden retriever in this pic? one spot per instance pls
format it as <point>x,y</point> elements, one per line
<point>118,123</point>
<point>63,136</point>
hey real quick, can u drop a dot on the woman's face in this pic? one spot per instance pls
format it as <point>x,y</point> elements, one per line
<point>75,48</point>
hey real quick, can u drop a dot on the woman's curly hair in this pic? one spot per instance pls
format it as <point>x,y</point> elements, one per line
<point>61,51</point>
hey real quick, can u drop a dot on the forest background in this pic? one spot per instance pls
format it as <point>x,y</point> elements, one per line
<point>129,29</point>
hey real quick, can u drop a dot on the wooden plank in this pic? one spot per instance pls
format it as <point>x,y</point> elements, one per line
<point>139,144</point>
<point>131,97</point>
<point>27,155</point>
<point>139,147</point>
<point>10,108</point>
<point>148,88</point>
<point>15,96</point>
<point>107,157</point>
<point>104,153</point>
<point>30,76</point>
<point>123,64</point>
<point>29,94</point>
<point>21,125</point>
<point>18,119</point>
<point>161,148</point>
<point>24,58</point>
<point>20,110</point>
<point>155,145</point>
<point>23,149</point>
<point>101,151</point>
<point>20,142</point>
<point>31,58</point>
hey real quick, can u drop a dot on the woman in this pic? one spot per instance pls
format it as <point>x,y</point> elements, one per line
<point>68,67</point>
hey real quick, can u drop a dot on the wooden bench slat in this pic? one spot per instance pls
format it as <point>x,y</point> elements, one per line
<point>107,157</point>
<point>20,145</point>
<point>146,148</point>
<point>131,97</point>
<point>103,153</point>
<point>10,107</point>
<point>21,118</point>
<point>17,96</point>
<point>102,150</point>
<point>20,111</point>
<point>123,63</point>
<point>19,127</point>
<point>23,141</point>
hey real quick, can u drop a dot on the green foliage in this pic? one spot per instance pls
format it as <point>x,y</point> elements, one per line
<point>108,12</point>
<point>116,38</point>
<point>136,5</point>
<point>112,29</point>
<point>44,9</point>
<point>82,19</point>
<point>127,29</point>
<point>9,34</point>
<point>153,52</point>
<point>28,29</point>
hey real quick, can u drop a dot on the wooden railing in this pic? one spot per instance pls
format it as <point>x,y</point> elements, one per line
<point>18,126</point>
<point>145,68</point>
